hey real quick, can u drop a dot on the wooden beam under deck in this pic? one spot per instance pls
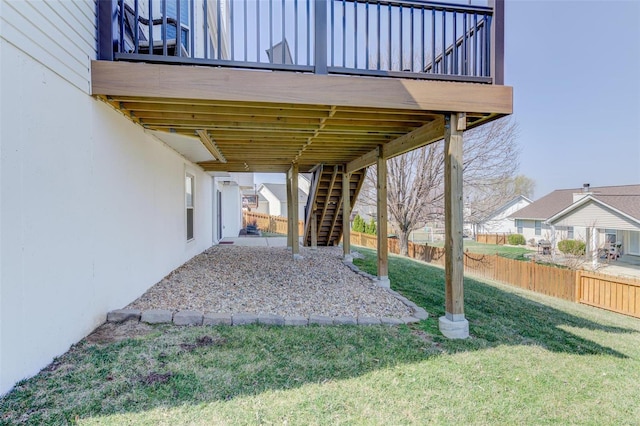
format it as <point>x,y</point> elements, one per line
<point>267,121</point>
<point>192,82</point>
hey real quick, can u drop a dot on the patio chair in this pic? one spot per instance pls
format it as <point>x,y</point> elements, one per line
<point>142,29</point>
<point>275,53</point>
<point>614,251</point>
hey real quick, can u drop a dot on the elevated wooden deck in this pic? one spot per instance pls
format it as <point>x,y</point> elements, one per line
<point>266,121</point>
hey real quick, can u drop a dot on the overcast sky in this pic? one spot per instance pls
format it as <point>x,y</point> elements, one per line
<point>575,70</point>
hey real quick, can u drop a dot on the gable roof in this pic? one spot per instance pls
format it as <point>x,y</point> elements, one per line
<point>279,190</point>
<point>621,204</point>
<point>506,206</point>
<point>625,198</point>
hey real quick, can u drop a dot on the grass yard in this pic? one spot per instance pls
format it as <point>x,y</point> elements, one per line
<point>531,359</point>
<point>481,248</point>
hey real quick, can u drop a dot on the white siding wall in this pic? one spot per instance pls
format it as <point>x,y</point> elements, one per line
<point>59,35</point>
<point>500,223</point>
<point>592,214</point>
<point>91,208</point>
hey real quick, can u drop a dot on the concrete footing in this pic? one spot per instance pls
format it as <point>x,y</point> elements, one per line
<point>383,282</point>
<point>454,329</point>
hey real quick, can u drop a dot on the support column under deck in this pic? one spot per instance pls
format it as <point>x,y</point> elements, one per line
<point>383,249</point>
<point>346,215</point>
<point>289,203</point>
<point>453,325</point>
<point>295,234</point>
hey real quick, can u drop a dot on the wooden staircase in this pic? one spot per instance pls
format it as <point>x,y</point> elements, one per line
<point>325,204</point>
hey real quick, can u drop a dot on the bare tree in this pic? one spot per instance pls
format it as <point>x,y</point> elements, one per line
<point>415,185</point>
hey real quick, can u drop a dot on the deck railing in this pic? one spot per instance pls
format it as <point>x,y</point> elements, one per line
<point>390,38</point>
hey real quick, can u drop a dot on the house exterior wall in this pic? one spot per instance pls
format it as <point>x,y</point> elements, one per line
<point>92,209</point>
<point>500,223</point>
<point>529,230</point>
<point>275,207</point>
<point>592,214</point>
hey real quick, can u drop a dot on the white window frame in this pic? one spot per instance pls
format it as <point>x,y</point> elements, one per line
<point>537,225</point>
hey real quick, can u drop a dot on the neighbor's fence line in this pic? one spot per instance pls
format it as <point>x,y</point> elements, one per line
<point>268,223</point>
<point>616,294</point>
<point>497,239</point>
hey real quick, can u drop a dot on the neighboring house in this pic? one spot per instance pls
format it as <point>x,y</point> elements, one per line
<point>599,216</point>
<point>276,196</point>
<point>499,221</point>
<point>123,121</point>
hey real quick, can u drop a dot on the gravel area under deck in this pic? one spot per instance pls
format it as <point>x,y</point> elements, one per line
<point>266,280</point>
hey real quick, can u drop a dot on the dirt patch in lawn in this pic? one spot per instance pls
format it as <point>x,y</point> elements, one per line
<point>111,332</point>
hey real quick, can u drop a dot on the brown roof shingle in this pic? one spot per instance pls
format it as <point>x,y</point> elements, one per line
<point>625,198</point>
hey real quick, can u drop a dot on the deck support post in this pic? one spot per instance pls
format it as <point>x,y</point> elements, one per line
<point>293,211</point>
<point>453,325</point>
<point>314,229</point>
<point>383,248</point>
<point>289,203</point>
<point>346,215</point>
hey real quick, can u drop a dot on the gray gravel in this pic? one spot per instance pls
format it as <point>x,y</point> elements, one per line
<point>266,280</point>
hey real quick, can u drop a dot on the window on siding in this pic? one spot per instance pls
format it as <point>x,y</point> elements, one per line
<point>519,226</point>
<point>189,184</point>
<point>172,11</point>
<point>538,227</point>
<point>570,232</point>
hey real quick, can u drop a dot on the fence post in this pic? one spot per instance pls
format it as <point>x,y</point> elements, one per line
<point>578,282</point>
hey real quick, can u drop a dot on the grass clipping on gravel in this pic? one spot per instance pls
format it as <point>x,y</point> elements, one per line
<point>531,359</point>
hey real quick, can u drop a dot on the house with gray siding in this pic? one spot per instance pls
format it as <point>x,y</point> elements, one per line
<point>606,218</point>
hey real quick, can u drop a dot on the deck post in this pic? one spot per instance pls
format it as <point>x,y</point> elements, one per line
<point>383,248</point>
<point>320,36</point>
<point>295,234</point>
<point>314,228</point>
<point>289,203</point>
<point>106,14</point>
<point>346,215</point>
<point>497,41</point>
<point>453,325</point>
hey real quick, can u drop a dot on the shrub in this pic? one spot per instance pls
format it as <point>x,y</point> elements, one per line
<point>516,239</point>
<point>574,247</point>
<point>358,224</point>
<point>370,228</point>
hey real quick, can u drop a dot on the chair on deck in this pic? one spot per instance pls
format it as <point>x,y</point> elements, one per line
<point>614,251</point>
<point>142,29</point>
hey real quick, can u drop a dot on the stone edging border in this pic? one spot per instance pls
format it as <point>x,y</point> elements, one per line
<point>194,318</point>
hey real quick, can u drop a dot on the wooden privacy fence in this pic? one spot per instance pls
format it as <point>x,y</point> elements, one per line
<point>268,223</point>
<point>497,239</point>
<point>616,294</point>
<point>613,293</point>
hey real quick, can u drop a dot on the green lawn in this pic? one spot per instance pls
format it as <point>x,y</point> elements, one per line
<point>481,248</point>
<point>531,359</point>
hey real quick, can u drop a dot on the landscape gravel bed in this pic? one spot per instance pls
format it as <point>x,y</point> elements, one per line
<point>266,280</point>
